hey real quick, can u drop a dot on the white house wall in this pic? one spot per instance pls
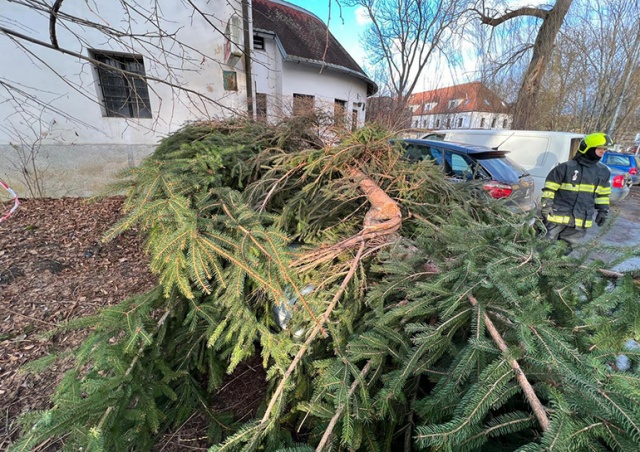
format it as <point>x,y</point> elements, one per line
<point>79,148</point>
<point>267,71</point>
<point>281,79</point>
<point>470,120</point>
<point>326,86</point>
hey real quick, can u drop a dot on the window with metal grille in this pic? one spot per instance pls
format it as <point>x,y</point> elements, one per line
<point>124,94</point>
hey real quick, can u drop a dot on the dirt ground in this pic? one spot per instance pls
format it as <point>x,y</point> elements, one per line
<point>54,268</point>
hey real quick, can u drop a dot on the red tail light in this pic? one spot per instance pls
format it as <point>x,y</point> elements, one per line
<point>633,171</point>
<point>498,190</point>
<point>618,181</point>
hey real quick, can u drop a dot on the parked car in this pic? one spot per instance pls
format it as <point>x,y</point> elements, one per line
<point>620,182</point>
<point>537,151</point>
<point>499,176</point>
<point>625,162</point>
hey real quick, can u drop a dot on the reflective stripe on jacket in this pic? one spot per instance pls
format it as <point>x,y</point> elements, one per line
<point>577,189</point>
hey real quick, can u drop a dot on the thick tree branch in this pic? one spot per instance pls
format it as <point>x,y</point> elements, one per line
<point>520,12</point>
<point>382,220</point>
<point>384,216</point>
<point>530,394</point>
<point>52,22</point>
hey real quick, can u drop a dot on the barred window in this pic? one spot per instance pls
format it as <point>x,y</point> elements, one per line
<point>123,94</point>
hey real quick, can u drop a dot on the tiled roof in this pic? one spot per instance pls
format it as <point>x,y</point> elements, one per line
<point>304,36</point>
<point>474,96</point>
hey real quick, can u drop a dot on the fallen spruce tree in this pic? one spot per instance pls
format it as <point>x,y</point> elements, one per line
<point>390,308</point>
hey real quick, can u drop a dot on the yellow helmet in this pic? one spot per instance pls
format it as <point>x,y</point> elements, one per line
<point>595,140</point>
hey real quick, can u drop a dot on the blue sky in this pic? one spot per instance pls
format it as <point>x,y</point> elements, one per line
<point>347,26</point>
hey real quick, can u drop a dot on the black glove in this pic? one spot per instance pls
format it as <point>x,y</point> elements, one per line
<point>547,209</point>
<point>602,217</point>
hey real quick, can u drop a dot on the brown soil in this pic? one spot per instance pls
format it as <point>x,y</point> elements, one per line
<point>53,267</point>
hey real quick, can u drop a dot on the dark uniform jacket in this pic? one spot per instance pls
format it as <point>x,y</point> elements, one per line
<point>577,188</point>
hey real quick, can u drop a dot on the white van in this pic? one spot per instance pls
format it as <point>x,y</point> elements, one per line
<point>536,151</point>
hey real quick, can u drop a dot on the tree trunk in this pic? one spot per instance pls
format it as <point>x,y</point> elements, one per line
<point>525,107</point>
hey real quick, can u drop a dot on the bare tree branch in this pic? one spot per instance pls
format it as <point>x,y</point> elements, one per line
<point>524,114</point>
<point>52,22</point>
<point>520,12</point>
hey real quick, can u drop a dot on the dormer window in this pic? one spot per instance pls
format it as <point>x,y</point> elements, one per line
<point>258,42</point>
<point>453,103</point>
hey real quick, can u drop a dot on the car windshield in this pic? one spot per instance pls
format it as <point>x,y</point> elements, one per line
<point>503,169</point>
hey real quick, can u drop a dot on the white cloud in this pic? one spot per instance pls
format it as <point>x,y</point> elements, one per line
<point>502,5</point>
<point>513,4</point>
<point>362,18</point>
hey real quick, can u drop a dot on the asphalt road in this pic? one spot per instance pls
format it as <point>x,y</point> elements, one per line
<point>623,232</point>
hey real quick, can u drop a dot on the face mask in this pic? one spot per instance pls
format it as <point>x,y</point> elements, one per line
<point>591,154</point>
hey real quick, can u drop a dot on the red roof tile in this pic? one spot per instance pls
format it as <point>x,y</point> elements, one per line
<point>303,35</point>
<point>474,96</point>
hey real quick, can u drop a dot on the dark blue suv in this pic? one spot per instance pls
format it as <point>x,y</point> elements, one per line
<point>626,162</point>
<point>500,176</point>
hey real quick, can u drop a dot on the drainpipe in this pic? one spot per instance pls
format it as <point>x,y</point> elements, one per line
<point>247,27</point>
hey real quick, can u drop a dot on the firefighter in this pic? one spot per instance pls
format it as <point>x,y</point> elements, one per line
<point>575,190</point>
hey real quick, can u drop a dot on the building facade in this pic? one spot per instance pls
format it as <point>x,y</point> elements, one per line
<point>94,92</point>
<point>298,67</point>
<point>466,106</point>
